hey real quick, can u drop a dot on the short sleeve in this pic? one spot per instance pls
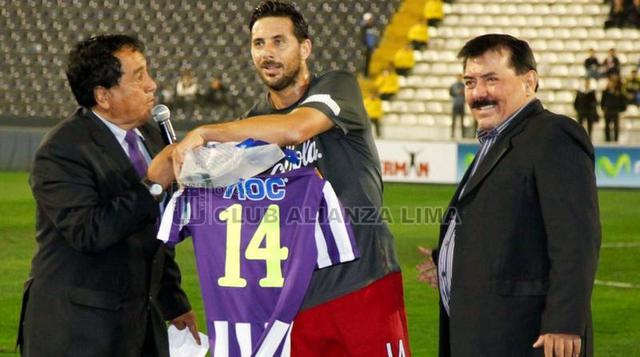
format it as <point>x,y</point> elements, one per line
<point>337,95</point>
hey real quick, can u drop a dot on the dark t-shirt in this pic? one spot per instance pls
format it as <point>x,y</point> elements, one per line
<point>347,157</point>
<point>591,64</point>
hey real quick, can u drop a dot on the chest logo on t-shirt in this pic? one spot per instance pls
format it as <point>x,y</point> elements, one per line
<point>257,189</point>
<point>307,153</point>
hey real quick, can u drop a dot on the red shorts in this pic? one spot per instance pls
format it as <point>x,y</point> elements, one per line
<point>368,322</point>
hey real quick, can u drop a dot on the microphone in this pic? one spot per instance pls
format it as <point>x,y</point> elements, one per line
<point>161,114</point>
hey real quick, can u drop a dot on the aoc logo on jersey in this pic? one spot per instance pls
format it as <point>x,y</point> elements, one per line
<point>257,189</point>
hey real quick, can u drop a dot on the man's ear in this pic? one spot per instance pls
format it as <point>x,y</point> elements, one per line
<point>305,49</point>
<point>531,82</point>
<point>102,97</point>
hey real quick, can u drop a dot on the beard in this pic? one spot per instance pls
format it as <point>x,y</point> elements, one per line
<point>288,78</point>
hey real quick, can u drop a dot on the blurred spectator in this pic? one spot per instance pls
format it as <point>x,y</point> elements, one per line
<point>433,12</point>
<point>632,88</point>
<point>186,91</point>
<point>373,106</point>
<point>611,64</point>
<point>404,60</point>
<point>216,93</point>
<point>456,92</point>
<point>613,103</point>
<point>592,65</point>
<point>633,19</point>
<point>617,15</point>
<point>370,39</point>
<point>387,83</point>
<point>586,105</point>
<point>419,36</point>
<point>166,95</point>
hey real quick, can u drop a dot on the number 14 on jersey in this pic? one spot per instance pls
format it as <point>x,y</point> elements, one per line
<point>273,254</point>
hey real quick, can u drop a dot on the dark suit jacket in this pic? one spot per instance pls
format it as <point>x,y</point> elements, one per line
<point>101,284</point>
<point>527,242</point>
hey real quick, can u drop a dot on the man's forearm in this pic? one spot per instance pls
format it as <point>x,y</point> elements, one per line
<point>271,129</point>
<point>288,129</point>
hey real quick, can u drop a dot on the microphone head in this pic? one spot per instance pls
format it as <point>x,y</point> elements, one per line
<point>160,113</point>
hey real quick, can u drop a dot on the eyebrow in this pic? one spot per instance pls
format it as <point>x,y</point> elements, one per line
<point>139,70</point>
<point>278,36</point>
<point>486,75</point>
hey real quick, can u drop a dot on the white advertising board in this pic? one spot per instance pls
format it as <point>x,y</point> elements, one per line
<point>420,162</point>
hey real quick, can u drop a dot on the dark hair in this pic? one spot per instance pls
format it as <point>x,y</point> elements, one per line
<point>92,63</point>
<point>522,59</point>
<point>274,8</point>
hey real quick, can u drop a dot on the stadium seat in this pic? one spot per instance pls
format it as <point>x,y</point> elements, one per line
<point>550,21</point>
<point>406,94</point>
<point>541,9</point>
<point>211,37</point>
<point>425,94</point>
<point>408,119</point>
<point>208,35</point>
<point>558,9</point>
<point>587,21</point>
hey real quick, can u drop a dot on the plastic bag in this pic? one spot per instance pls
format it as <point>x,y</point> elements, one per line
<point>182,344</point>
<point>223,164</point>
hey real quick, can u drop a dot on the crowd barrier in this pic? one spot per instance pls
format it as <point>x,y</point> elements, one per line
<point>401,161</point>
<point>446,163</point>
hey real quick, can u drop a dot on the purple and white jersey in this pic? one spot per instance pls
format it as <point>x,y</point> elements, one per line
<point>256,244</point>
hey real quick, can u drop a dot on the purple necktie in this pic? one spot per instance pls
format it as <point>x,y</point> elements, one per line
<point>136,157</point>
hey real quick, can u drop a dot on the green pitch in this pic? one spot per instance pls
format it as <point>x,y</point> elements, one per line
<point>616,311</point>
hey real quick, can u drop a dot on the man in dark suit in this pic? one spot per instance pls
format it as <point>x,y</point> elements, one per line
<point>101,284</point>
<point>518,251</point>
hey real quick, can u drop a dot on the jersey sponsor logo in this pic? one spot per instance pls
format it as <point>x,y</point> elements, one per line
<point>258,189</point>
<point>307,156</point>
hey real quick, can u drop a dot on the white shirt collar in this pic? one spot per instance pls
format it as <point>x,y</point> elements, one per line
<point>117,131</point>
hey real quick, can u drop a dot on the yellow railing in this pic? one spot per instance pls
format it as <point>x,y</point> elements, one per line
<point>394,38</point>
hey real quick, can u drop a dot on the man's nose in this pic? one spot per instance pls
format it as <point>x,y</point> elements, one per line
<point>151,85</point>
<point>479,91</point>
<point>269,50</point>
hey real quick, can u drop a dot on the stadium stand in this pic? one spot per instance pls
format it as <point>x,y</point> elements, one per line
<point>209,37</point>
<point>559,31</point>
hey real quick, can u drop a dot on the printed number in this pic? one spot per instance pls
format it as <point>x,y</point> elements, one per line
<point>269,232</point>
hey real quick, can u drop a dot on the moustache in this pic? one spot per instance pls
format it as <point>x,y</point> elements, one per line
<point>482,103</point>
<point>269,63</point>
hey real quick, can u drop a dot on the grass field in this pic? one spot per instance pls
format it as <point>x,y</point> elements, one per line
<point>616,311</point>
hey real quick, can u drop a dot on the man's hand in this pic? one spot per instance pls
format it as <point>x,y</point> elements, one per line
<point>161,167</point>
<point>192,140</point>
<point>427,270</point>
<point>559,345</point>
<point>188,319</point>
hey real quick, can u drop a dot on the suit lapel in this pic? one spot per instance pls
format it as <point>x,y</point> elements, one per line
<point>500,148</point>
<point>491,159</point>
<point>111,149</point>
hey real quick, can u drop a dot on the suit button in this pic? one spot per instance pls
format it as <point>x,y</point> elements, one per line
<point>150,298</point>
